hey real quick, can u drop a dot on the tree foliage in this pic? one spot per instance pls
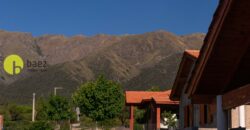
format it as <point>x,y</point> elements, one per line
<point>171,119</point>
<point>41,125</point>
<point>56,109</point>
<point>100,100</point>
<point>41,109</point>
<point>140,115</point>
<point>14,112</point>
<point>124,116</point>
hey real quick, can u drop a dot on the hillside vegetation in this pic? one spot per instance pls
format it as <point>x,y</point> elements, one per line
<point>138,61</point>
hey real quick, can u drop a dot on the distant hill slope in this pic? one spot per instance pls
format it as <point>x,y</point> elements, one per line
<point>136,61</point>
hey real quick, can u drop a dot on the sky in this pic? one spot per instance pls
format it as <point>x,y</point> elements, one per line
<point>115,17</point>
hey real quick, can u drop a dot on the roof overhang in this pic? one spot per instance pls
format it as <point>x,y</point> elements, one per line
<point>184,72</point>
<point>141,97</point>
<point>223,64</point>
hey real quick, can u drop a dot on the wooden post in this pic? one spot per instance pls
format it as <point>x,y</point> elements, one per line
<point>1,122</point>
<point>221,114</point>
<point>131,125</point>
<point>33,107</point>
<point>158,118</point>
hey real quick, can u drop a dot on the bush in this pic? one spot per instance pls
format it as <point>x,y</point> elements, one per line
<point>87,122</point>
<point>138,126</point>
<point>57,108</point>
<point>13,112</point>
<point>171,118</point>
<point>27,125</point>
<point>17,125</point>
<point>140,115</point>
<point>5,112</point>
<point>109,123</point>
<point>41,125</point>
<point>124,116</point>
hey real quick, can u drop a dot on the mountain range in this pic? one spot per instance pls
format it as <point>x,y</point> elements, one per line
<point>136,61</point>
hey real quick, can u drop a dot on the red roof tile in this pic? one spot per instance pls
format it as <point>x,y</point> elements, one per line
<point>188,60</point>
<point>193,53</point>
<point>137,97</point>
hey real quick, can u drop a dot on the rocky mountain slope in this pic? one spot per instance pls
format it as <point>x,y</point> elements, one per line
<point>136,61</point>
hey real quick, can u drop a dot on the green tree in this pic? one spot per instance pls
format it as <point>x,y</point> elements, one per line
<point>100,100</point>
<point>57,108</point>
<point>42,108</point>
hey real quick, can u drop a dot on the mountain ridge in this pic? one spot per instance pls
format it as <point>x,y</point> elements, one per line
<point>137,61</point>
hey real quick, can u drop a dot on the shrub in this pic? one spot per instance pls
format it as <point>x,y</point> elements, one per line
<point>41,125</point>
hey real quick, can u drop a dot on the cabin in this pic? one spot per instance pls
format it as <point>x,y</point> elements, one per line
<point>213,84</point>
<point>154,102</point>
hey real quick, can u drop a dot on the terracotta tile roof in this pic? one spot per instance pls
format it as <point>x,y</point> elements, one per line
<point>193,53</point>
<point>137,97</point>
<point>185,68</point>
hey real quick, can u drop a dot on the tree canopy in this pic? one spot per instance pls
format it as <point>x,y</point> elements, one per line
<point>56,108</point>
<point>100,99</point>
